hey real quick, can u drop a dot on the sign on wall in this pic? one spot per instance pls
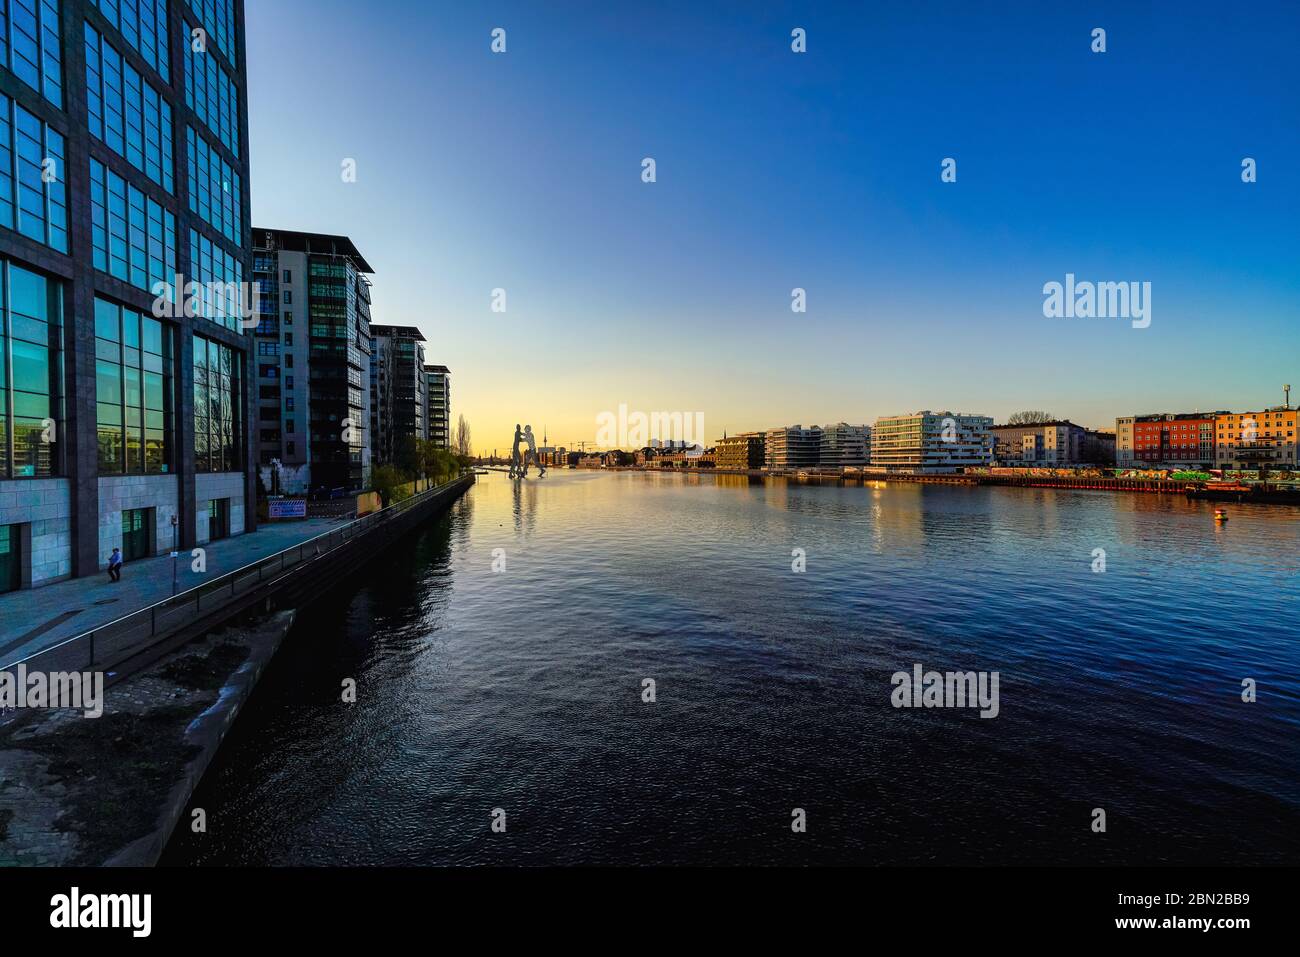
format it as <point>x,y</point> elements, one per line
<point>287,508</point>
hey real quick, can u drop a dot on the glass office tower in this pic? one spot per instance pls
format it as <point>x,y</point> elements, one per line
<point>124,402</point>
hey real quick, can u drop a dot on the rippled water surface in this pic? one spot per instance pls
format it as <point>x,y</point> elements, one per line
<point>521,690</point>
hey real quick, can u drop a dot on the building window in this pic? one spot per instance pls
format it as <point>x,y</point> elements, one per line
<point>143,23</point>
<point>218,425</point>
<point>127,113</point>
<point>214,187</point>
<point>31,412</point>
<point>213,96</point>
<point>212,266</point>
<point>29,45</point>
<point>31,201</point>
<point>133,391</point>
<point>132,237</point>
<point>218,18</point>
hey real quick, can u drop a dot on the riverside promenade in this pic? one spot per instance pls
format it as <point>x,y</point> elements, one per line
<point>36,618</point>
<point>110,790</point>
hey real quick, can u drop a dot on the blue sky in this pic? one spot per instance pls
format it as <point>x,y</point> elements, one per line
<point>818,170</point>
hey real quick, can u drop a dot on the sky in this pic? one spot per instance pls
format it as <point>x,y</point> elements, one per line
<point>777,170</point>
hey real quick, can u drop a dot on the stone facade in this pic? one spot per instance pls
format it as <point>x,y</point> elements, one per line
<point>214,485</point>
<point>120,493</point>
<point>43,508</point>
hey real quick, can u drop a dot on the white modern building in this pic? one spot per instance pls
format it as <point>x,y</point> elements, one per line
<point>931,442</point>
<point>793,447</point>
<point>843,444</point>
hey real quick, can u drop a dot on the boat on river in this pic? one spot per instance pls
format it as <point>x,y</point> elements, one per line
<point>1259,494</point>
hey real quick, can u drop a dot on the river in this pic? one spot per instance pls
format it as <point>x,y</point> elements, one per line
<point>521,686</point>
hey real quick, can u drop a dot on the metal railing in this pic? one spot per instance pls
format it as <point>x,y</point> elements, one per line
<point>117,640</point>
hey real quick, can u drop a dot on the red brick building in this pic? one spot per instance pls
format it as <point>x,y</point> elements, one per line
<point>1175,440</point>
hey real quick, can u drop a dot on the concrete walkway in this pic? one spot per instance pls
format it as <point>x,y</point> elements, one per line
<point>37,618</point>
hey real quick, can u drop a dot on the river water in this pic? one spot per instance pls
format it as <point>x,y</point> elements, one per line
<point>522,689</point>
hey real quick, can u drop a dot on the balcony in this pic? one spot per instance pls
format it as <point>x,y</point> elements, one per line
<point>1257,452</point>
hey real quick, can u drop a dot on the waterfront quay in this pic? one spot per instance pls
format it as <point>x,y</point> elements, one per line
<point>91,630</point>
<point>111,790</point>
<point>36,618</point>
<point>1103,483</point>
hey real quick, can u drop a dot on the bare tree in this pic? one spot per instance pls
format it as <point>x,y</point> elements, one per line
<point>462,436</point>
<point>1030,418</point>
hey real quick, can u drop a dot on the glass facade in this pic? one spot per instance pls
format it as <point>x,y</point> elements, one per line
<point>143,23</point>
<point>29,45</point>
<point>31,419</point>
<point>127,114</point>
<point>218,430</point>
<point>215,192</point>
<point>211,264</point>
<point>218,18</point>
<point>32,202</point>
<point>132,237</point>
<point>213,96</point>
<point>336,316</point>
<point>133,391</point>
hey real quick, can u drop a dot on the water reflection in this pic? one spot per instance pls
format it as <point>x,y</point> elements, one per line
<point>522,689</point>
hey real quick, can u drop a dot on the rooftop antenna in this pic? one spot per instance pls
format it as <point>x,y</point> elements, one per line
<point>1287,390</point>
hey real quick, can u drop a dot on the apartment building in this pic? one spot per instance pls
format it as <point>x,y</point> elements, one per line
<point>1099,447</point>
<point>1174,440</point>
<point>843,444</point>
<point>1124,440</point>
<point>438,396</point>
<point>1253,440</point>
<point>792,447</point>
<point>743,451</point>
<point>398,397</point>
<point>1045,444</point>
<point>312,362</point>
<point>932,442</point>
